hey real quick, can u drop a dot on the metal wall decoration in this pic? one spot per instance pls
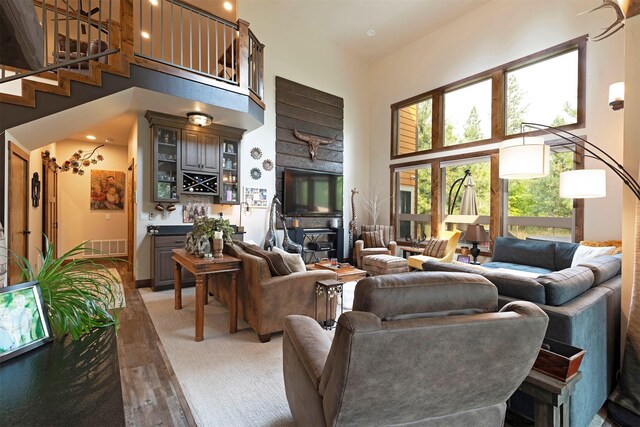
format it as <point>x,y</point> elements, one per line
<point>255,173</point>
<point>35,190</point>
<point>77,162</point>
<point>313,141</point>
<point>256,153</point>
<point>267,165</point>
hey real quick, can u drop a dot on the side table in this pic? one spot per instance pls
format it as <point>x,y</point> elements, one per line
<point>407,251</point>
<point>330,290</point>
<point>552,398</point>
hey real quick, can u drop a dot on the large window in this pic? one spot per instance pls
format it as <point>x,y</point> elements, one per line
<point>414,127</point>
<point>413,187</point>
<point>467,114</point>
<point>534,207</point>
<point>545,92</point>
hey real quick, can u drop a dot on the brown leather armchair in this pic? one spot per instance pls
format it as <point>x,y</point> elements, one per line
<point>359,251</point>
<point>424,348</point>
<point>264,300</point>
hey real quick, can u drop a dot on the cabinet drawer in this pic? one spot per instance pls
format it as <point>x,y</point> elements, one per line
<point>176,242</point>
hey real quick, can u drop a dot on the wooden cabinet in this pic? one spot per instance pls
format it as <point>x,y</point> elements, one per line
<point>166,175</point>
<point>162,266</point>
<point>230,167</point>
<point>200,152</point>
<point>319,243</point>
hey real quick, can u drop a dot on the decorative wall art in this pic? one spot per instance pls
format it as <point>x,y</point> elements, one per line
<point>267,165</point>
<point>23,320</point>
<point>256,153</point>
<point>255,197</point>
<point>193,207</point>
<point>35,190</point>
<point>255,173</point>
<point>107,190</point>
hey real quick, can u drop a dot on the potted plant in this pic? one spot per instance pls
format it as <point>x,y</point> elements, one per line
<point>79,293</point>
<point>207,226</point>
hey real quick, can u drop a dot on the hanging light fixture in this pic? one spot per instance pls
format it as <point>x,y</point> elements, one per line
<point>524,159</point>
<point>583,184</point>
<point>199,119</point>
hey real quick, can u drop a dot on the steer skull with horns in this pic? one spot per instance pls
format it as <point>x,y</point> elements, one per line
<point>313,141</point>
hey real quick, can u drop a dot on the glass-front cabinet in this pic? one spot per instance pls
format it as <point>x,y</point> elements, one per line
<point>165,164</point>
<point>230,171</point>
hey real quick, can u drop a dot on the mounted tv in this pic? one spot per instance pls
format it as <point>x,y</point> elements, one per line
<point>311,193</point>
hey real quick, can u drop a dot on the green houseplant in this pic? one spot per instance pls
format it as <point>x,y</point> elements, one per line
<point>207,226</point>
<point>79,293</point>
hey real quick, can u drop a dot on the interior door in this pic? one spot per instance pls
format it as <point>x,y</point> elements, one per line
<point>50,205</point>
<point>19,198</point>
<point>131,217</point>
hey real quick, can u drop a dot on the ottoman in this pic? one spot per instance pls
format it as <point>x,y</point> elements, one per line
<point>377,265</point>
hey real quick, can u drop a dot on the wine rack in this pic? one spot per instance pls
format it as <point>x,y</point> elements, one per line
<point>199,183</point>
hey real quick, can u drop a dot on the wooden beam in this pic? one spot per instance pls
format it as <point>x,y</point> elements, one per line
<point>243,54</point>
<point>437,121</point>
<point>630,8</point>
<point>497,105</point>
<point>126,27</point>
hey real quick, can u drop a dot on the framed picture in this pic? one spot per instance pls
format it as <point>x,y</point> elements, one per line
<point>107,190</point>
<point>23,320</point>
<point>464,258</point>
<point>256,197</point>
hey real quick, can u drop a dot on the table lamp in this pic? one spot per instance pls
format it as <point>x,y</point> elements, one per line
<point>475,233</point>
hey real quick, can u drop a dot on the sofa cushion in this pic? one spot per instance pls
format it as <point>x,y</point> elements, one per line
<point>523,252</point>
<point>293,261</point>
<point>564,285</point>
<point>435,248</point>
<point>520,287</point>
<point>563,255</point>
<point>584,253</point>
<point>373,239</point>
<point>518,267</point>
<point>603,268</point>
<point>276,263</point>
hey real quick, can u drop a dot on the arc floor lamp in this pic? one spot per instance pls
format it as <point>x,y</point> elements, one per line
<point>529,157</point>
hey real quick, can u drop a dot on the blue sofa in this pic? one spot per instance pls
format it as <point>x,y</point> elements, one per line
<point>583,305</point>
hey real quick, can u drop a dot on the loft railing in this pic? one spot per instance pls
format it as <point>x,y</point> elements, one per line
<point>70,36</point>
<point>177,34</point>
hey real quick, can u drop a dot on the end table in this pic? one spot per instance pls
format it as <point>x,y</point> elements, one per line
<point>329,291</point>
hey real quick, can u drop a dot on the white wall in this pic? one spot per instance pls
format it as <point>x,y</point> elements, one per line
<point>492,35</point>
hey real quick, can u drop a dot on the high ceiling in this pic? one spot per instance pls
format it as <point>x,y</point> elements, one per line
<point>396,22</point>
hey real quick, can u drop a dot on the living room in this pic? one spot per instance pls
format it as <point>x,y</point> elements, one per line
<point>456,43</point>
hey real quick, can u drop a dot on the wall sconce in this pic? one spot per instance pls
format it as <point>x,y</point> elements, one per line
<point>616,96</point>
<point>199,119</point>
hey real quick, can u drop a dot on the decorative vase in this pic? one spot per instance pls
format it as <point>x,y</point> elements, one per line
<point>218,244</point>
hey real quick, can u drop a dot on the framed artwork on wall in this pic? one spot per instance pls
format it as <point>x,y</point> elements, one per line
<point>255,197</point>
<point>107,190</point>
<point>23,320</point>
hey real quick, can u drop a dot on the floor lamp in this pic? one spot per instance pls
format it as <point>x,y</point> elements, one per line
<point>529,158</point>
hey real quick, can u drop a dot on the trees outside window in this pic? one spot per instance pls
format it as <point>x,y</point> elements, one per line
<point>414,204</point>
<point>467,114</point>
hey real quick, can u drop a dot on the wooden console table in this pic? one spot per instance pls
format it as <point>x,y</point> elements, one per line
<point>552,398</point>
<point>202,268</point>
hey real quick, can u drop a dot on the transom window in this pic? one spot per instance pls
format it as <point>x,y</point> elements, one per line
<point>467,114</point>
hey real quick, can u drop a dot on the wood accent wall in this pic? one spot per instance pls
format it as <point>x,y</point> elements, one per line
<point>313,112</point>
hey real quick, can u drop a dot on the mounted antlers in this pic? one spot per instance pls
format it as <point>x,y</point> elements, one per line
<point>613,28</point>
<point>313,142</point>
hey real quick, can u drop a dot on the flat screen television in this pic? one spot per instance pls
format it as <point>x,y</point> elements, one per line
<point>311,193</point>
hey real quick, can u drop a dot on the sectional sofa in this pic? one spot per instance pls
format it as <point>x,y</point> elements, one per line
<point>582,302</point>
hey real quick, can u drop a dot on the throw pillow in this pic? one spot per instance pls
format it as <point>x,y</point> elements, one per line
<point>276,263</point>
<point>435,248</point>
<point>598,244</point>
<point>373,239</point>
<point>564,285</point>
<point>586,252</point>
<point>293,261</point>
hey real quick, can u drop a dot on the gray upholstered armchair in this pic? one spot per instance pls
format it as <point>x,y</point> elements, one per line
<point>361,250</point>
<point>424,348</point>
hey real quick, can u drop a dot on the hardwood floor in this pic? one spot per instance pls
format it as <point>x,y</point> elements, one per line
<point>150,390</point>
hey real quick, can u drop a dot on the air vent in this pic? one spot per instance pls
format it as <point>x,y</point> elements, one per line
<point>101,248</point>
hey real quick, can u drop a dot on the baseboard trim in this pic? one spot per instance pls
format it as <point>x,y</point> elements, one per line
<point>143,283</point>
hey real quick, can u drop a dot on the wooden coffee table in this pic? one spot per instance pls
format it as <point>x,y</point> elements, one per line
<point>345,274</point>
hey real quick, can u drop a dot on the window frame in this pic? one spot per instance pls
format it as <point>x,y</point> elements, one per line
<point>498,101</point>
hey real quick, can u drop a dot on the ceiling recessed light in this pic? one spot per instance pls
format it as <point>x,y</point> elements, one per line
<point>371,33</point>
<point>144,35</point>
<point>154,2</point>
<point>227,5</point>
<point>108,140</point>
<point>91,137</point>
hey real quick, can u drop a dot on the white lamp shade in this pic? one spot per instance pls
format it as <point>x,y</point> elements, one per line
<point>616,92</point>
<point>526,160</point>
<point>583,184</point>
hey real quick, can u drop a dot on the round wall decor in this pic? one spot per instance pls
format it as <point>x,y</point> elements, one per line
<point>256,153</point>
<point>267,165</point>
<point>255,173</point>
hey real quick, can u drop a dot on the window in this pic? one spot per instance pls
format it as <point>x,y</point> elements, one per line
<point>545,92</point>
<point>414,203</point>
<point>414,127</point>
<point>456,213</point>
<point>467,114</point>
<point>534,207</point>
